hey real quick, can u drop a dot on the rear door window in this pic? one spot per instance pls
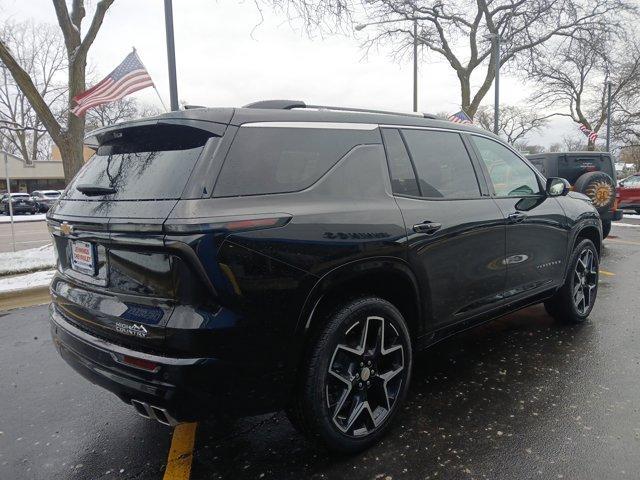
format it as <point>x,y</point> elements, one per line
<point>403,177</point>
<point>144,164</point>
<point>443,164</point>
<point>275,159</point>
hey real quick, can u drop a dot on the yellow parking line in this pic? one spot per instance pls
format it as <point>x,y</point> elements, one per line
<point>181,452</point>
<point>608,274</point>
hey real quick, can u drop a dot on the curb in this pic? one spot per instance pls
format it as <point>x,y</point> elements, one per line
<point>24,298</point>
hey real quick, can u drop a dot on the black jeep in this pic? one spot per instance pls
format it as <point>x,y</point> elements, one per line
<point>238,261</point>
<point>591,173</point>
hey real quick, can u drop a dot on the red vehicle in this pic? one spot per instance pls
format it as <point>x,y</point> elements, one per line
<point>628,192</point>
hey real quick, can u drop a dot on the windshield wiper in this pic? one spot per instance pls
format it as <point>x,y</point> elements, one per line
<point>94,190</point>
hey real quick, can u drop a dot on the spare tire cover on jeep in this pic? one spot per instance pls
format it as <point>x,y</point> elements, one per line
<point>599,187</point>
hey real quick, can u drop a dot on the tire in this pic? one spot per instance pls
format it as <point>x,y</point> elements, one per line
<point>599,187</point>
<point>566,306</point>
<point>346,371</point>
<point>638,211</point>
<point>606,228</point>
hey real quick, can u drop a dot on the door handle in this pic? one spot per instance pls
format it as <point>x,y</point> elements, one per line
<point>427,227</point>
<point>516,217</point>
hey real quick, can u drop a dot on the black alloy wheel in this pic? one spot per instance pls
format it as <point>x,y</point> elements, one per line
<point>365,376</point>
<point>585,281</point>
<point>355,376</point>
<point>576,298</point>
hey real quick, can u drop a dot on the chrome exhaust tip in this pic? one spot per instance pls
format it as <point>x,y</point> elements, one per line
<point>153,412</point>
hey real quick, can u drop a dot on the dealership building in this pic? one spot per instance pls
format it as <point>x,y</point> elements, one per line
<point>29,176</point>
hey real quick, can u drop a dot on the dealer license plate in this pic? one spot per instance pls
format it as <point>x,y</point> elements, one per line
<point>83,257</point>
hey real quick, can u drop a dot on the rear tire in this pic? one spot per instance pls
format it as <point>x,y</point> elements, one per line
<point>606,228</point>
<point>638,211</point>
<point>575,299</point>
<point>355,376</point>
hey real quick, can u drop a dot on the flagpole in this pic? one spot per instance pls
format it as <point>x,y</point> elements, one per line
<point>154,84</point>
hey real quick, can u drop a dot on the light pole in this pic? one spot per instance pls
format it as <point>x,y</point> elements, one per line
<point>609,116</point>
<point>171,54</point>
<point>495,40</point>
<point>415,53</point>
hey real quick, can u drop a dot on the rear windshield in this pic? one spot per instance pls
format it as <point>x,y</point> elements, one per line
<point>279,159</point>
<point>51,194</point>
<point>572,167</point>
<point>146,165</point>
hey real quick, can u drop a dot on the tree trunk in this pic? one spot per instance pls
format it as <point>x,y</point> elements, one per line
<point>72,149</point>
<point>591,146</point>
<point>465,95</point>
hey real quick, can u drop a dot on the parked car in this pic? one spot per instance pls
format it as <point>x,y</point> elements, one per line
<point>628,193</point>
<point>20,203</point>
<point>591,173</point>
<point>239,261</point>
<point>45,198</point>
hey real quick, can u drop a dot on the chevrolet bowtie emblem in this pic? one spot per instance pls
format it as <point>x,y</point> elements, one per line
<point>66,229</point>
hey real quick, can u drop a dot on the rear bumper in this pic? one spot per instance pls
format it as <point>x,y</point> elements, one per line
<point>177,390</point>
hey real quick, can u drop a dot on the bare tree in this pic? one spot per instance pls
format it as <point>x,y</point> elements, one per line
<point>572,144</point>
<point>462,32</point>
<point>66,135</point>
<point>574,73</point>
<point>119,111</point>
<point>40,49</point>
<point>514,122</point>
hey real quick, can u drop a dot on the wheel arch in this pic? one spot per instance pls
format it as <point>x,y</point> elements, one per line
<point>389,278</point>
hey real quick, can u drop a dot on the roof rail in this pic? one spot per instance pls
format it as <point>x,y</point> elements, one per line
<point>292,104</point>
<point>277,104</point>
<point>369,110</point>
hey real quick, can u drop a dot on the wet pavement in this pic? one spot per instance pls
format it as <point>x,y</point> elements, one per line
<point>521,397</point>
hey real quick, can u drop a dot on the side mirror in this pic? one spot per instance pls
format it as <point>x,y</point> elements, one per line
<point>557,187</point>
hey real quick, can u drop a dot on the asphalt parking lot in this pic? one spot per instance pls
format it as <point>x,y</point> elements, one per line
<point>522,397</point>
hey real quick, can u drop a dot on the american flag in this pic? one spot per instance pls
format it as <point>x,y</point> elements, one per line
<point>460,117</point>
<point>590,134</point>
<point>128,77</point>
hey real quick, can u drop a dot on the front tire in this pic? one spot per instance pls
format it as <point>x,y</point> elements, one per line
<point>606,228</point>
<point>355,376</point>
<point>575,299</point>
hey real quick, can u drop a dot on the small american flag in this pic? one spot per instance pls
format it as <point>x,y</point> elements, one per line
<point>128,77</point>
<point>590,134</point>
<point>460,117</point>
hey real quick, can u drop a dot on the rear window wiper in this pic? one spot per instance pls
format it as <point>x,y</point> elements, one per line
<point>94,190</point>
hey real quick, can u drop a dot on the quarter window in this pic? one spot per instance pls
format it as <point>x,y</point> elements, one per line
<point>442,163</point>
<point>510,175</point>
<point>403,178</point>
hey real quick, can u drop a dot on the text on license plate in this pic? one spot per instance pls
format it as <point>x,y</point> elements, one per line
<point>82,257</point>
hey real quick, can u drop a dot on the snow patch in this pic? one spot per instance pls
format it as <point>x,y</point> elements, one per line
<point>38,217</point>
<point>30,280</point>
<point>23,261</point>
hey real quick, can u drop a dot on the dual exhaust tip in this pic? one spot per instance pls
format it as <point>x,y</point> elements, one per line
<point>154,413</point>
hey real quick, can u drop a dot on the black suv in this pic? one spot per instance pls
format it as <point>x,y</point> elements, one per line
<point>238,261</point>
<point>591,173</point>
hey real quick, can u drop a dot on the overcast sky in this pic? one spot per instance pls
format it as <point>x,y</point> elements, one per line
<point>220,62</point>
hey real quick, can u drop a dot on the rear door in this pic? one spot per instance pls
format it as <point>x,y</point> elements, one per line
<point>456,232</point>
<point>537,236</point>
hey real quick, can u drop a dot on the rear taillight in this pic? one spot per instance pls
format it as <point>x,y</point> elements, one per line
<point>229,224</point>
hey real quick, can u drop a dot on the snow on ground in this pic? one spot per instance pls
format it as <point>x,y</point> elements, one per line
<point>30,280</point>
<point>23,261</point>
<point>620,224</point>
<point>38,217</point>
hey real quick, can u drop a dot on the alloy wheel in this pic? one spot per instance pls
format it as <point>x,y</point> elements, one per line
<point>366,373</point>
<point>585,279</point>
